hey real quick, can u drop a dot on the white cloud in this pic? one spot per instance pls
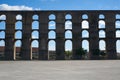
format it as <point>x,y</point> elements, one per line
<point>16,7</point>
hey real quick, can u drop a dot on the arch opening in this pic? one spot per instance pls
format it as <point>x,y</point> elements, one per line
<point>51,50</point>
<point>18,35</point>
<point>101,24</point>
<point>35,17</point>
<point>102,34</point>
<point>2,34</point>
<point>52,35</point>
<point>18,44</point>
<point>68,25</point>
<point>18,25</point>
<point>84,16</point>
<point>35,35</point>
<point>19,17</point>
<point>35,25</point>
<point>52,25</point>
<point>2,25</point>
<point>35,50</point>
<point>2,48</point>
<point>52,17</point>
<point>85,24</point>
<point>3,17</point>
<point>68,16</point>
<point>68,34</point>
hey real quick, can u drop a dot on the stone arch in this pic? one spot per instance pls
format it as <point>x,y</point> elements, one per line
<point>68,16</point>
<point>51,35</point>
<point>2,51</point>
<point>85,34</point>
<point>34,47</point>
<point>68,45</point>
<point>85,45</point>
<point>18,45</point>
<point>35,35</point>
<point>35,17</point>
<point>68,25</point>
<point>2,34</point>
<point>102,45</point>
<point>85,24</point>
<point>101,16</point>
<point>118,34</point>
<point>102,34</point>
<point>18,35</point>
<point>18,25</point>
<point>101,24</point>
<point>51,50</point>
<point>52,17</point>
<point>2,25</point>
<point>52,25</point>
<point>19,17</point>
<point>2,17</point>
<point>117,24</point>
<point>117,16</point>
<point>35,25</point>
<point>84,16</point>
<point>68,34</point>
<point>118,46</point>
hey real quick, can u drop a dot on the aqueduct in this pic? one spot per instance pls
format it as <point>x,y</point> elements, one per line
<point>92,18</point>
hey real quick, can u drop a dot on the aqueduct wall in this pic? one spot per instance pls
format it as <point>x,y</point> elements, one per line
<point>92,17</point>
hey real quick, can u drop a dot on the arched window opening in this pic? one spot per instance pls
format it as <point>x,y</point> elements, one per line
<point>2,48</point>
<point>68,34</point>
<point>35,17</point>
<point>2,34</point>
<point>101,24</point>
<point>35,35</point>
<point>35,53</point>
<point>52,35</point>
<point>18,49</point>
<point>18,35</point>
<point>102,45</point>
<point>68,45</point>
<point>18,25</point>
<point>102,34</point>
<point>85,34</point>
<point>19,17</point>
<point>85,24</point>
<point>85,45</point>
<point>84,16</point>
<point>68,16</point>
<point>68,25</point>
<point>52,25</point>
<point>52,50</point>
<point>117,24</point>
<point>3,17</point>
<point>2,25</point>
<point>117,16</point>
<point>118,47</point>
<point>35,25</point>
<point>101,16</point>
<point>118,34</point>
<point>52,17</point>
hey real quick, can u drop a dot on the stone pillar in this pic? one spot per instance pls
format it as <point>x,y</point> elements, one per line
<point>9,37</point>
<point>76,30</point>
<point>60,36</point>
<point>110,36</point>
<point>93,35</point>
<point>26,37</point>
<point>43,37</point>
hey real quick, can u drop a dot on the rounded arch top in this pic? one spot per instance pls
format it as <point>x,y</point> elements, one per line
<point>68,16</point>
<point>52,17</point>
<point>2,17</point>
<point>19,17</point>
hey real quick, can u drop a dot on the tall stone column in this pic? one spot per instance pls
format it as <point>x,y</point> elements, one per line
<point>43,37</point>
<point>93,35</point>
<point>60,36</point>
<point>9,37</point>
<point>76,30</point>
<point>110,36</point>
<point>26,37</point>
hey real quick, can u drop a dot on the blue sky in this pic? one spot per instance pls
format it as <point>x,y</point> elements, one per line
<point>66,4</point>
<point>60,5</point>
